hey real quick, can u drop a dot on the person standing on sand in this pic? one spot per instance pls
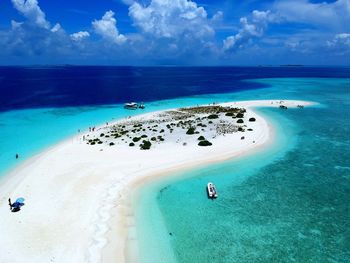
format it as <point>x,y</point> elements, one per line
<point>10,204</point>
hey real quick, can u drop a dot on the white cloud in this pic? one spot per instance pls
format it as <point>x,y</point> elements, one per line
<point>15,24</point>
<point>328,15</point>
<point>56,28</point>
<point>79,35</point>
<point>171,19</point>
<point>31,10</point>
<point>218,16</point>
<point>107,28</point>
<point>248,30</point>
<point>340,40</point>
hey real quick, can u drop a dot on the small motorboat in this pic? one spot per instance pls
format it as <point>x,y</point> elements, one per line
<point>212,193</point>
<point>141,106</point>
<point>131,106</point>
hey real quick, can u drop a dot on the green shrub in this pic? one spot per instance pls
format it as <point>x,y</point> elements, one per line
<point>93,143</point>
<point>144,136</point>
<point>131,144</point>
<point>205,143</point>
<point>240,115</point>
<point>252,119</point>
<point>136,139</point>
<point>250,129</point>
<point>240,121</point>
<point>201,138</point>
<point>102,134</point>
<point>213,116</point>
<point>229,114</point>
<point>153,139</point>
<point>190,131</point>
<point>146,145</point>
<point>111,143</point>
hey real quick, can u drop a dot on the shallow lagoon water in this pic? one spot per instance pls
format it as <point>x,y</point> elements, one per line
<point>287,203</point>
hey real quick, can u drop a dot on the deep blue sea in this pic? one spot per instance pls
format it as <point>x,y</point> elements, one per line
<point>289,202</point>
<point>64,86</point>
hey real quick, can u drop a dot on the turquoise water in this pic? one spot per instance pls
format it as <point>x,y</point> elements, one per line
<point>27,132</point>
<point>287,203</point>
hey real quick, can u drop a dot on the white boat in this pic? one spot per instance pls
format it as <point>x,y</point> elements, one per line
<point>212,193</point>
<point>131,105</point>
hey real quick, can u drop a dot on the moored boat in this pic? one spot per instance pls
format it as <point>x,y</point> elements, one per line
<point>131,106</point>
<point>212,193</point>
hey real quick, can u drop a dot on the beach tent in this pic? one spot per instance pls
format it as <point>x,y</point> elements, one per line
<point>20,200</point>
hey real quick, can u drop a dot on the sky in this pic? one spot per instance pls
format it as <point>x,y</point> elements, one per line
<point>174,32</point>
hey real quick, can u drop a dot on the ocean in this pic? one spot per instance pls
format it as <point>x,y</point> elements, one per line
<point>289,202</point>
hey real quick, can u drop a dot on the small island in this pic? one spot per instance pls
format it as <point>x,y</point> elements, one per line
<point>193,125</point>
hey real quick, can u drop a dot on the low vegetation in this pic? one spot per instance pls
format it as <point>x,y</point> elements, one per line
<point>211,121</point>
<point>145,145</point>
<point>136,139</point>
<point>205,143</point>
<point>190,131</point>
<point>213,116</point>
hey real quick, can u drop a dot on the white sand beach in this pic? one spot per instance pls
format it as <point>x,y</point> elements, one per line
<point>76,195</point>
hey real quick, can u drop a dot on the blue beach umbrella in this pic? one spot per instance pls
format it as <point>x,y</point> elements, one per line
<point>20,200</point>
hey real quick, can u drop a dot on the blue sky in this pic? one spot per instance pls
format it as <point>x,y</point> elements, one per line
<point>175,32</point>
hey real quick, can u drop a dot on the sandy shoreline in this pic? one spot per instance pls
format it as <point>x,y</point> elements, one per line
<point>77,206</point>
